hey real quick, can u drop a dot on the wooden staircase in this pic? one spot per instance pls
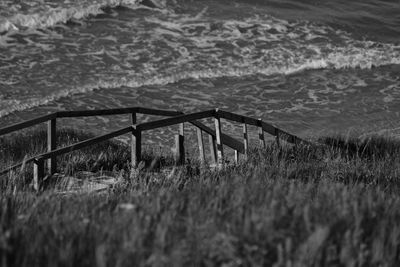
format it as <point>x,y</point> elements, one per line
<point>217,138</point>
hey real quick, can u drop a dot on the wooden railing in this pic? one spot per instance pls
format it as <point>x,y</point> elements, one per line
<point>216,138</point>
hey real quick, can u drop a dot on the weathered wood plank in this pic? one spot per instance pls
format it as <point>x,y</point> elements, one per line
<point>136,142</point>
<point>38,173</point>
<point>245,139</point>
<point>237,156</point>
<point>277,138</point>
<point>133,118</point>
<point>179,150</point>
<point>218,132</point>
<point>51,145</point>
<point>136,147</point>
<point>26,124</point>
<point>268,128</point>
<point>200,142</point>
<point>226,139</point>
<point>261,134</point>
<point>97,112</point>
<point>251,121</point>
<point>211,140</point>
<point>158,112</point>
<point>175,120</point>
<point>180,145</point>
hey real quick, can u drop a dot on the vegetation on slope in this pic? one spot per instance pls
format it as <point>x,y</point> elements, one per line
<point>335,205</point>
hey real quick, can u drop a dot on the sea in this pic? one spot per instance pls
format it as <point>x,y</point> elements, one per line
<point>311,67</point>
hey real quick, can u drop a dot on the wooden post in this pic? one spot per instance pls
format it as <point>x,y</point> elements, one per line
<point>179,145</point>
<point>236,156</point>
<point>136,143</point>
<point>133,118</point>
<point>218,133</point>
<point>277,136</point>
<point>245,139</point>
<point>51,145</point>
<point>201,145</point>
<point>136,147</point>
<point>38,173</point>
<point>211,140</point>
<point>261,134</point>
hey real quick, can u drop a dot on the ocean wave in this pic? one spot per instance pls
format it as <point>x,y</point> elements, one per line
<point>49,16</point>
<point>332,61</point>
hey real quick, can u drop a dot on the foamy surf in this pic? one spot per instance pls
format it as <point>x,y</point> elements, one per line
<point>48,16</point>
<point>335,60</point>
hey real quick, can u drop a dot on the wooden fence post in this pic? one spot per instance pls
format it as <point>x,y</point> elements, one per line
<point>261,134</point>
<point>180,145</point>
<point>245,139</point>
<point>201,145</point>
<point>218,133</point>
<point>236,156</point>
<point>51,145</point>
<point>133,118</point>
<point>136,143</point>
<point>277,136</point>
<point>211,140</point>
<point>38,173</point>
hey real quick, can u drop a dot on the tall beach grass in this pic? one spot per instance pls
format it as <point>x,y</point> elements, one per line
<point>332,205</point>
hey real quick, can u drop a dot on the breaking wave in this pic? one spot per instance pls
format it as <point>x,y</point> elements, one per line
<point>332,61</point>
<point>45,17</point>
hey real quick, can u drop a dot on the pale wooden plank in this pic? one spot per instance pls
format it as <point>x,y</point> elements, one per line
<point>213,151</point>
<point>38,173</point>
<point>180,145</point>
<point>218,132</point>
<point>237,156</point>
<point>136,147</point>
<point>245,139</point>
<point>226,139</point>
<point>51,145</point>
<point>261,134</point>
<point>179,150</point>
<point>201,145</point>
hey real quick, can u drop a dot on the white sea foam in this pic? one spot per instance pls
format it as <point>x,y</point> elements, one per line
<point>276,47</point>
<point>334,60</point>
<point>52,16</point>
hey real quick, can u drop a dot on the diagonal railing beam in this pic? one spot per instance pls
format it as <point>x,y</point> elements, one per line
<point>178,117</point>
<point>26,124</point>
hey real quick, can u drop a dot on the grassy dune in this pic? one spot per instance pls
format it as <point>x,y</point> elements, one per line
<point>334,205</point>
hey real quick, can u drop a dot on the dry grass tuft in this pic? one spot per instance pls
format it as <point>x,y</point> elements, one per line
<point>307,206</point>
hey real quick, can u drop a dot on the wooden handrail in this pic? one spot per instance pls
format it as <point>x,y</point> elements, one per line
<point>71,148</point>
<point>269,128</point>
<point>116,111</point>
<point>82,144</point>
<point>87,113</point>
<point>97,112</point>
<point>226,139</point>
<point>158,112</point>
<point>238,118</point>
<point>175,120</point>
<point>216,136</point>
<point>26,124</point>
